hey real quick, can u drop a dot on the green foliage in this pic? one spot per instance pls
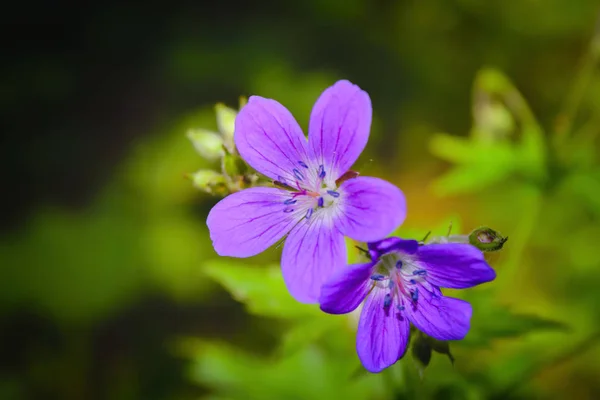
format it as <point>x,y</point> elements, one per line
<point>262,290</point>
<point>491,155</point>
<point>307,374</point>
<point>492,321</point>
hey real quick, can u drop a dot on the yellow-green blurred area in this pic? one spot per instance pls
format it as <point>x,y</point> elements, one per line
<point>485,113</point>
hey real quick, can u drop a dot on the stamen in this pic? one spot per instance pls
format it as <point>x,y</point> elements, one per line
<point>321,171</point>
<point>413,281</point>
<point>333,193</point>
<point>309,213</point>
<point>298,174</point>
<point>400,307</point>
<point>420,272</point>
<point>391,284</point>
<point>283,185</point>
<point>303,164</point>
<point>288,210</point>
<point>399,264</point>
<point>346,176</point>
<point>320,202</point>
<point>387,300</point>
<point>290,201</point>
<point>415,295</point>
<point>377,277</point>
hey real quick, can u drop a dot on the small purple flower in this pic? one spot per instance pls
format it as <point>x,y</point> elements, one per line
<point>314,203</point>
<point>402,286</point>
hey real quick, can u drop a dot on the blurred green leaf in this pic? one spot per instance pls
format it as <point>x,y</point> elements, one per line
<point>490,155</point>
<point>307,374</point>
<point>478,164</point>
<point>308,331</point>
<point>262,290</point>
<point>491,321</point>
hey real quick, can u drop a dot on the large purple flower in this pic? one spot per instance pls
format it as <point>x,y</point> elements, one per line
<point>314,203</point>
<point>401,286</point>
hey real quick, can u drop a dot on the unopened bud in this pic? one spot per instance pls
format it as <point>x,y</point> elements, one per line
<point>208,181</point>
<point>487,239</point>
<point>226,124</point>
<point>208,144</point>
<point>234,166</point>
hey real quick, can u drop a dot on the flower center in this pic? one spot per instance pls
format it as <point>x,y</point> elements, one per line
<point>399,275</point>
<point>309,190</point>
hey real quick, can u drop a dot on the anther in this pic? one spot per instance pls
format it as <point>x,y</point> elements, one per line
<point>320,202</point>
<point>298,174</point>
<point>309,213</point>
<point>413,281</point>
<point>387,300</point>
<point>399,264</point>
<point>333,193</point>
<point>420,272</point>
<point>290,201</point>
<point>321,171</point>
<point>391,283</point>
<point>345,177</point>
<point>288,210</point>
<point>377,277</point>
<point>302,164</point>
<point>415,295</point>
<point>400,307</point>
<point>283,185</point>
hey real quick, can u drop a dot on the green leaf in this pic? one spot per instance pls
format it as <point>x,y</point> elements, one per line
<point>494,321</point>
<point>308,374</point>
<point>262,290</point>
<point>478,164</point>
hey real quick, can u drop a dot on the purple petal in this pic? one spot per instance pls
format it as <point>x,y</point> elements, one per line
<point>454,265</point>
<point>382,333</point>
<point>313,250</point>
<point>346,289</point>
<point>371,208</point>
<point>269,139</point>
<point>339,127</point>
<point>443,318</point>
<point>387,245</point>
<point>246,223</point>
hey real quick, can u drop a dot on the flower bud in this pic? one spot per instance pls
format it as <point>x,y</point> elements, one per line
<point>487,239</point>
<point>208,144</point>
<point>208,181</point>
<point>226,124</point>
<point>234,166</point>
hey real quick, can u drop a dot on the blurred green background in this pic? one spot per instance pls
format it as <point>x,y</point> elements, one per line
<point>485,113</point>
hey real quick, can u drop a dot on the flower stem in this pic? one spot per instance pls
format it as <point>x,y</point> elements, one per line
<point>564,122</point>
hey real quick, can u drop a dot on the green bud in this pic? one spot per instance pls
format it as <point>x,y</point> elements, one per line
<point>234,166</point>
<point>208,144</point>
<point>487,239</point>
<point>226,124</point>
<point>209,181</point>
